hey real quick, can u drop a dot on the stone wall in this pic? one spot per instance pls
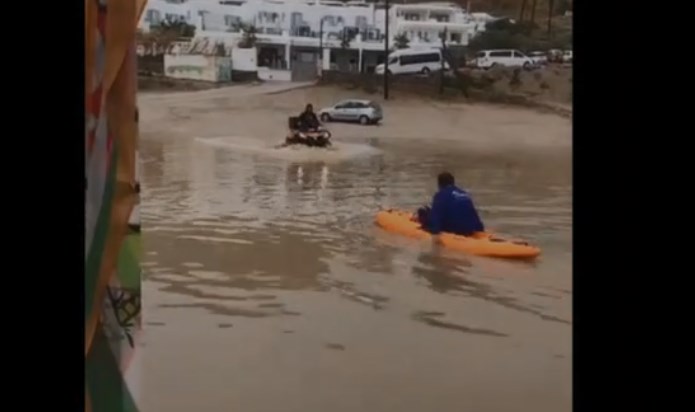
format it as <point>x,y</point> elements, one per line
<point>151,64</point>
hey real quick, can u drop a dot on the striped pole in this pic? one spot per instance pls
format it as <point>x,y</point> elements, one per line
<point>112,253</point>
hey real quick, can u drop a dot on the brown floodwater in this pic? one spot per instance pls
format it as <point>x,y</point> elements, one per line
<point>267,286</point>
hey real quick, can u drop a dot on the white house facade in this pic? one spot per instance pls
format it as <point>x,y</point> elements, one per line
<point>291,32</point>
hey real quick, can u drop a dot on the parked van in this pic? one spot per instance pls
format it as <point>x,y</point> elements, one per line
<point>510,58</point>
<point>411,61</point>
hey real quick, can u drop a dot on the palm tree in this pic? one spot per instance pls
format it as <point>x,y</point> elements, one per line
<point>248,39</point>
<point>348,37</point>
<point>220,50</point>
<point>178,28</point>
<point>401,41</point>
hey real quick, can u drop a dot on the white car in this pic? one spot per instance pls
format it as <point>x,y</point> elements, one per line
<point>555,56</point>
<point>363,111</point>
<point>414,61</point>
<point>539,58</point>
<point>567,56</point>
<point>510,58</point>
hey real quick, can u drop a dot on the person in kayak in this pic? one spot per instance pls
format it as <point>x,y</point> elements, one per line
<point>308,120</point>
<point>452,211</point>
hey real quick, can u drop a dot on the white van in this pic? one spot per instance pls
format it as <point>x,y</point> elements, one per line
<point>410,61</point>
<point>510,58</point>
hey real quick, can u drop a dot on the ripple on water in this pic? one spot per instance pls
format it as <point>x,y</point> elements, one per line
<point>288,248</point>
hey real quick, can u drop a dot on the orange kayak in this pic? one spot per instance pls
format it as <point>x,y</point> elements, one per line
<point>480,244</point>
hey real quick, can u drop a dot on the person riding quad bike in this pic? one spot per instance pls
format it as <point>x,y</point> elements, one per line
<point>306,129</point>
<point>308,122</point>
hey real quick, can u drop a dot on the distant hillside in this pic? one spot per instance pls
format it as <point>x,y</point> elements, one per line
<point>509,8</point>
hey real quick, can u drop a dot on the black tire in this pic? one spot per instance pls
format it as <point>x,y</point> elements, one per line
<point>493,66</point>
<point>325,117</point>
<point>425,71</point>
<point>527,66</point>
<point>364,119</point>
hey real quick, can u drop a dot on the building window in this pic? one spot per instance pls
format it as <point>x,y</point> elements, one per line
<point>153,16</point>
<point>231,21</point>
<point>173,18</point>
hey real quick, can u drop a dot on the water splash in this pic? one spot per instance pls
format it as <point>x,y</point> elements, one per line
<point>340,151</point>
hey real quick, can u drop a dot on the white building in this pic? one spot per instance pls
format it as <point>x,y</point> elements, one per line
<point>290,33</point>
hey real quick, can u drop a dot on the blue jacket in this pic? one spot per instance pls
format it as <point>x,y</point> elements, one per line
<point>453,211</point>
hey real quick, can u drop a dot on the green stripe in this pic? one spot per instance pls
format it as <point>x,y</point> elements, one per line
<point>129,262</point>
<point>96,251</point>
<point>107,389</point>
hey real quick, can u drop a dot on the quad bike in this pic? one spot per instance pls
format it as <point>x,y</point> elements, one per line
<point>319,137</point>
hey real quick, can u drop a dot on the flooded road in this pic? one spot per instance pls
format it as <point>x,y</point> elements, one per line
<point>268,287</point>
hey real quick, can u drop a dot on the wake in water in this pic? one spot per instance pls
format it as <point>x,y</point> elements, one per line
<point>339,151</point>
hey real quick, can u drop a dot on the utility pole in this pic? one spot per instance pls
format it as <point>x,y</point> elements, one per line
<point>521,11</point>
<point>551,3</point>
<point>321,45</point>
<point>533,11</point>
<point>443,36</point>
<point>386,53</point>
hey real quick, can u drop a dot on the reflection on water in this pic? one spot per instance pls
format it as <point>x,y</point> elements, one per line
<point>264,264</point>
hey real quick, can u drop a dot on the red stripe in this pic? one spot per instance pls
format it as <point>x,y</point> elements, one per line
<point>95,101</point>
<point>101,23</point>
<point>109,153</point>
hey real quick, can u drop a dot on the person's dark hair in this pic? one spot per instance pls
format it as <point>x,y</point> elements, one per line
<point>309,107</point>
<point>445,179</point>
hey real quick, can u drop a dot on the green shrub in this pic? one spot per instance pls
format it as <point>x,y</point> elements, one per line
<point>526,36</point>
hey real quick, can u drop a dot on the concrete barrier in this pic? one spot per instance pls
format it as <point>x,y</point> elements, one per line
<point>216,69</point>
<point>267,74</point>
